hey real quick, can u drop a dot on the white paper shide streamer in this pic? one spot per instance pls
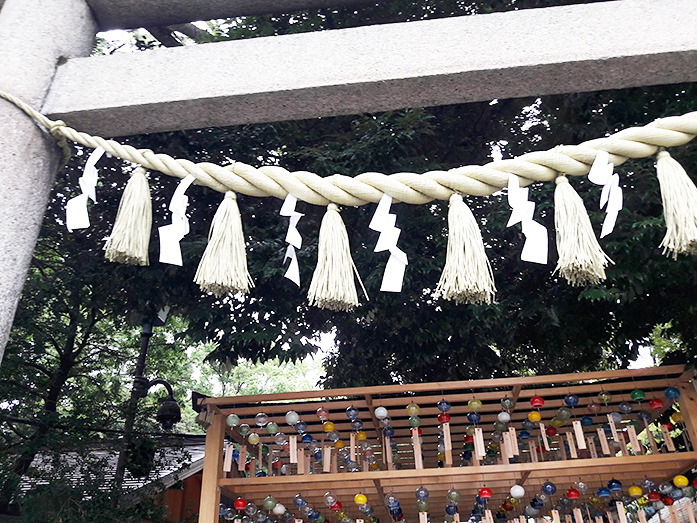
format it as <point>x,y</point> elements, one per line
<point>293,238</point>
<point>536,247</point>
<point>601,173</point>
<point>76,215</point>
<point>384,223</point>
<point>172,234</point>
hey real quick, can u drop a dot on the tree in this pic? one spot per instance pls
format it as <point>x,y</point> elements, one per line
<point>547,325</point>
<point>538,324</point>
<point>62,383</point>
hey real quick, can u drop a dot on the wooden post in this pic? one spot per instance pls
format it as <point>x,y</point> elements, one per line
<point>212,471</point>
<point>242,458</point>
<point>543,435</point>
<point>326,459</point>
<point>642,515</point>
<point>301,461</point>
<point>621,513</point>
<point>418,457</point>
<point>507,445</point>
<point>562,447</point>
<point>603,441</point>
<point>613,428</point>
<point>667,439</point>
<point>448,444</point>
<point>514,441</point>
<point>690,512</point>
<point>388,453</point>
<point>533,451</point>
<point>578,432</point>
<point>652,440</point>
<point>479,450</point>
<point>503,456</point>
<point>293,443</point>
<point>637,447</point>
<point>572,445</point>
<point>623,444</point>
<point>227,464</point>
<point>591,447</point>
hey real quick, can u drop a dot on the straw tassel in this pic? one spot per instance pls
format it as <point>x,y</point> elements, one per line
<point>679,196</point>
<point>223,266</point>
<point>130,236</point>
<point>467,276</point>
<point>332,286</point>
<point>581,259</point>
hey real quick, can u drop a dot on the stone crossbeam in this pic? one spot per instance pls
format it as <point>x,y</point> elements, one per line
<point>125,14</point>
<point>532,52</point>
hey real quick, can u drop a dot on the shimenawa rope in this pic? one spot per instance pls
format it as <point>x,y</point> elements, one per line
<point>581,258</point>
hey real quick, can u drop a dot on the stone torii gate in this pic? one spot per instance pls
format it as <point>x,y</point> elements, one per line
<point>44,48</point>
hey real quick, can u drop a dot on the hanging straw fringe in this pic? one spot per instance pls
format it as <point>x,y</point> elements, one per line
<point>679,196</point>
<point>581,259</point>
<point>130,237</point>
<point>333,286</point>
<point>467,276</point>
<point>223,267</point>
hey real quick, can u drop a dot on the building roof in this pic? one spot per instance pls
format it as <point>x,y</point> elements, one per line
<point>174,462</point>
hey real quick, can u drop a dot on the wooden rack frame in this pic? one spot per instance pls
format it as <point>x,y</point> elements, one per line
<point>557,465</point>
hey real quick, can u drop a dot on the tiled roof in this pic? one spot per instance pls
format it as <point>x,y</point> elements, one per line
<point>172,464</point>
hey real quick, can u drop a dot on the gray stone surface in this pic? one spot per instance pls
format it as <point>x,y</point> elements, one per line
<point>35,34</point>
<point>532,52</point>
<point>122,14</point>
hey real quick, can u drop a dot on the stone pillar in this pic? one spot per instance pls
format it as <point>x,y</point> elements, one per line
<point>36,35</point>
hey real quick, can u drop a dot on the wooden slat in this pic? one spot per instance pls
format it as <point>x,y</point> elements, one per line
<point>468,480</point>
<point>536,381</point>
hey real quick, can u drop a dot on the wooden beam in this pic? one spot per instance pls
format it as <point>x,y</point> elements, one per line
<point>537,381</point>
<point>688,407</point>
<point>619,390</point>
<point>126,14</point>
<point>590,466</point>
<point>533,52</point>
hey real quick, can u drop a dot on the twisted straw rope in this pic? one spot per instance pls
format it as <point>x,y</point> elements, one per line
<point>575,160</point>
